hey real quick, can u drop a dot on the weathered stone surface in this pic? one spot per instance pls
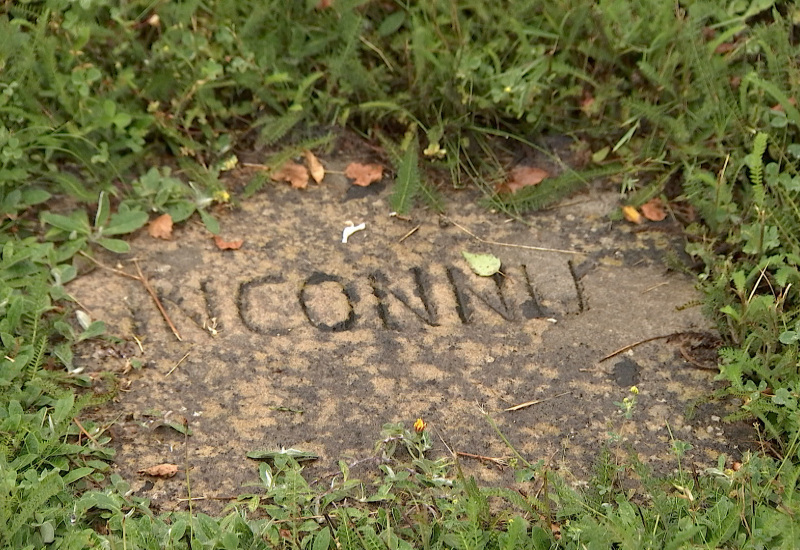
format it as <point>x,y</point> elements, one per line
<point>299,340</point>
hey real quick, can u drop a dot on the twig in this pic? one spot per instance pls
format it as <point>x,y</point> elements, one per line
<point>535,402</point>
<point>152,293</point>
<point>138,343</point>
<point>512,245</point>
<point>83,430</point>
<point>109,268</point>
<point>654,287</point>
<point>631,346</point>
<point>266,168</point>
<point>182,359</point>
<point>694,363</point>
<point>407,235</point>
<point>142,279</point>
<point>497,461</point>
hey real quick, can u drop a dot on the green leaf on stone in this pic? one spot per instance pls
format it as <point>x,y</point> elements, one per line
<point>114,245</point>
<point>210,222</point>
<point>125,221</point>
<point>484,265</point>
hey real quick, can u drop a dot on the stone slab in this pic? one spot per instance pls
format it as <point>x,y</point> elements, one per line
<point>299,340</point>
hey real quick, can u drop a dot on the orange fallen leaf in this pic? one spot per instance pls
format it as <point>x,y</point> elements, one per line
<point>295,174</point>
<point>725,47</point>
<point>161,470</point>
<point>779,107</point>
<point>653,210</point>
<point>631,214</point>
<point>523,176</point>
<point>228,245</point>
<point>161,227</point>
<point>363,174</point>
<point>588,104</point>
<point>315,167</point>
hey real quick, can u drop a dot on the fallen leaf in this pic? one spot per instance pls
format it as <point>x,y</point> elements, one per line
<point>779,107</point>
<point>315,167</point>
<point>295,174</point>
<point>228,245</point>
<point>631,214</point>
<point>363,174</point>
<point>324,4</point>
<point>653,210</point>
<point>161,470</point>
<point>588,104</point>
<point>523,176</point>
<point>161,227</point>
<point>484,265</point>
<point>725,47</point>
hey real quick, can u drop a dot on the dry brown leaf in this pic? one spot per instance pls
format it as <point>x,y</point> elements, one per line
<point>161,227</point>
<point>363,174</point>
<point>631,214</point>
<point>653,210</point>
<point>523,176</point>
<point>588,104</point>
<point>295,174</point>
<point>228,245</point>
<point>315,167</point>
<point>779,107</point>
<point>161,470</point>
<point>725,47</point>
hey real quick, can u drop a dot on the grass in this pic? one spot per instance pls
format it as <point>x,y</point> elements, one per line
<point>114,111</point>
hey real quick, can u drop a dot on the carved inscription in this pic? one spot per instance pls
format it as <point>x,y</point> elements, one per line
<point>380,289</point>
<point>435,296</point>
<point>327,303</point>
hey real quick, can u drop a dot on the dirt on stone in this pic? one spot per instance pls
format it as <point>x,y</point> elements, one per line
<point>300,340</point>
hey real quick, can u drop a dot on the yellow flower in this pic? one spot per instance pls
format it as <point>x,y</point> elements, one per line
<point>229,163</point>
<point>634,390</point>
<point>420,425</point>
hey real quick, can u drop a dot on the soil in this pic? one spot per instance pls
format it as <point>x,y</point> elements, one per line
<point>299,340</point>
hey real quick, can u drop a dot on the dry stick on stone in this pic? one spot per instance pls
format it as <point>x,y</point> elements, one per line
<point>181,360</point>
<point>265,168</point>
<point>694,363</point>
<point>498,461</point>
<point>535,402</point>
<point>98,263</point>
<point>141,278</point>
<point>512,245</point>
<point>160,307</point>
<point>407,235</point>
<point>640,342</point>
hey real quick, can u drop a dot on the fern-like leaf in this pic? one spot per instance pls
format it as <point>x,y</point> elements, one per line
<point>48,486</point>
<point>755,161</point>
